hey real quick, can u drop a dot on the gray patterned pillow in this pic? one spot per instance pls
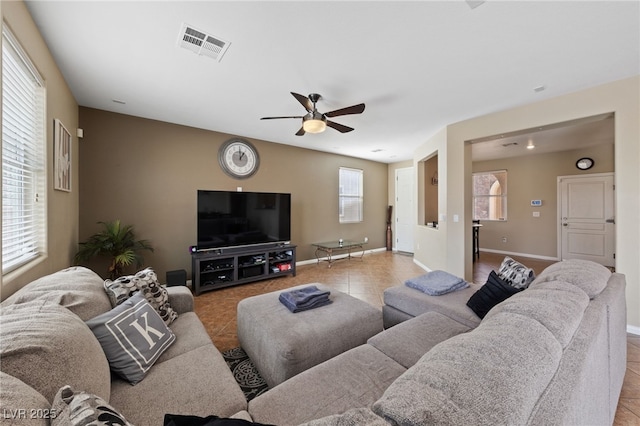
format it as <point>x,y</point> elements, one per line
<point>515,273</point>
<point>133,336</point>
<point>72,408</point>
<point>145,281</point>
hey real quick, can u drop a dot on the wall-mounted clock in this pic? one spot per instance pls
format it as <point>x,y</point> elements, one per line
<point>584,163</point>
<point>238,158</point>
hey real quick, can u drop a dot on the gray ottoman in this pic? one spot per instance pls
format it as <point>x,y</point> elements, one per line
<point>282,344</point>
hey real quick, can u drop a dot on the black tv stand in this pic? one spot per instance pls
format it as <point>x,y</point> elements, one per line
<point>225,267</point>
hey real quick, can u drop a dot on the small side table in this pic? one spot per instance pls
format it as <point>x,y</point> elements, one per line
<point>476,239</point>
<point>345,245</point>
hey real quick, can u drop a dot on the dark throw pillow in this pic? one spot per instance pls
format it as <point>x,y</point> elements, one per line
<point>493,292</point>
<point>133,336</point>
<point>185,420</point>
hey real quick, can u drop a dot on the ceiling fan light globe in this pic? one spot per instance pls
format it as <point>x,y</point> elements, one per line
<point>314,126</point>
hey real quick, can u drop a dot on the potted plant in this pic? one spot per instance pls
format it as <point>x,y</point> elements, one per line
<point>119,243</point>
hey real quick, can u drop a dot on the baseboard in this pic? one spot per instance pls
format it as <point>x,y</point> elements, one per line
<point>421,265</point>
<point>633,329</point>
<point>510,253</point>
<point>355,254</point>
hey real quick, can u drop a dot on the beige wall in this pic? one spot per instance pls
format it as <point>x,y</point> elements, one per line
<point>534,177</point>
<point>147,172</point>
<point>620,97</point>
<point>62,206</point>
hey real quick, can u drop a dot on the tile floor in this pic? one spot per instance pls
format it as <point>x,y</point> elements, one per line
<point>366,279</point>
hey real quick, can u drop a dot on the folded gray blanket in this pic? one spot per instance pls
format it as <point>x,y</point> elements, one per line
<point>305,298</point>
<point>436,283</point>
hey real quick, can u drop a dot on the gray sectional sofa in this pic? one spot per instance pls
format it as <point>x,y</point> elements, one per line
<point>45,345</point>
<point>552,354</point>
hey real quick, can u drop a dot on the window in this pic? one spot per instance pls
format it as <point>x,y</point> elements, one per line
<point>23,157</point>
<point>490,195</point>
<point>350,195</point>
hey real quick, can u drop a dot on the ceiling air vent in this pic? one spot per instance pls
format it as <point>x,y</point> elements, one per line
<point>202,43</point>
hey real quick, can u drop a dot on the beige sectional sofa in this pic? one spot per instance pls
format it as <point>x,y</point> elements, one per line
<point>552,354</point>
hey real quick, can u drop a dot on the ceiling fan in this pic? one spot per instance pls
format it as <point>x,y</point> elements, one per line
<point>316,122</point>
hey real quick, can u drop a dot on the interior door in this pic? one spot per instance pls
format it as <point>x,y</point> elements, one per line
<point>405,209</point>
<point>587,218</point>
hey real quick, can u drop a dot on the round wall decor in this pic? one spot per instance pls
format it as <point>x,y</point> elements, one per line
<point>584,163</point>
<point>238,158</point>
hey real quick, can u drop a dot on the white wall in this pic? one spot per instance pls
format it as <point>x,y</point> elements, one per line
<point>620,97</point>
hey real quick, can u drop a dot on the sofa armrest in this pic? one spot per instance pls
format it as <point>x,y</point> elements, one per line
<point>180,299</point>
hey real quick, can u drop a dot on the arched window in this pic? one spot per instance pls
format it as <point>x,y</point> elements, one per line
<point>490,195</point>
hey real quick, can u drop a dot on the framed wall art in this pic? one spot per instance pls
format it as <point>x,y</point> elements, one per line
<point>62,157</point>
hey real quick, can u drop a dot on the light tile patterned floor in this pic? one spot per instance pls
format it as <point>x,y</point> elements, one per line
<point>366,279</point>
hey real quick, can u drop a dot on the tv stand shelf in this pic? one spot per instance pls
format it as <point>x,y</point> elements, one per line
<point>225,267</point>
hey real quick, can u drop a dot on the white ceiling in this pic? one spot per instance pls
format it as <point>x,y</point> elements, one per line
<point>418,66</point>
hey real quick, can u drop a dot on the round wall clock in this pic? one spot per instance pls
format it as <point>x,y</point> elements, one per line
<point>238,158</point>
<point>584,163</point>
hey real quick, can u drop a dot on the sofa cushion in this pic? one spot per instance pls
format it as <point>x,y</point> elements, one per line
<point>415,302</point>
<point>355,378</point>
<point>408,341</point>
<point>47,346</point>
<point>353,417</point>
<point>197,383</point>
<point>78,408</point>
<point>133,336</point>
<point>591,277</point>
<point>469,379</point>
<point>494,291</point>
<point>79,289</point>
<point>20,402</point>
<point>145,282</point>
<point>515,273</point>
<point>556,305</point>
<point>190,335</point>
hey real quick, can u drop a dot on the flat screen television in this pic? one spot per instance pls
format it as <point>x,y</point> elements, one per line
<point>235,219</point>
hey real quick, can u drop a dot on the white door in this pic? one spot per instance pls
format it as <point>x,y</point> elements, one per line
<point>587,218</point>
<point>405,207</point>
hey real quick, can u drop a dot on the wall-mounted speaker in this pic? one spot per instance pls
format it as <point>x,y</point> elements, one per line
<point>177,277</point>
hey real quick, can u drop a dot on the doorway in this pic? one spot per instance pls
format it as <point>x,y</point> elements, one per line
<point>586,207</point>
<point>405,206</point>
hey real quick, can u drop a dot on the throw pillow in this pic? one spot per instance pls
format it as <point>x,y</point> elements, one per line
<point>145,281</point>
<point>133,336</point>
<point>493,292</point>
<point>515,273</point>
<point>186,420</point>
<point>82,408</point>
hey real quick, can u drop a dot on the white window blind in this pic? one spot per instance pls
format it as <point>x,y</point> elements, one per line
<point>23,157</point>
<point>350,195</point>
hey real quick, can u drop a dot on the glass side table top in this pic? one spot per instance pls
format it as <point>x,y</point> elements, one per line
<point>338,245</point>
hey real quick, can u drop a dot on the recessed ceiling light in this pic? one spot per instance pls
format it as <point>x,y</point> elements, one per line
<point>118,101</point>
<point>539,88</point>
<point>377,150</point>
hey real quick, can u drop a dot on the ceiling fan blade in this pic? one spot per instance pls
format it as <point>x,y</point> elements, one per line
<point>300,132</point>
<point>304,101</point>
<point>354,109</point>
<point>276,118</point>
<point>339,127</point>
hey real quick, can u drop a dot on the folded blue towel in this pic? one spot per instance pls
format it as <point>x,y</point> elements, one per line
<point>436,283</point>
<point>305,298</point>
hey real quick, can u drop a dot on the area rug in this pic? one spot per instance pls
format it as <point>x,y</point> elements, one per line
<point>245,373</point>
